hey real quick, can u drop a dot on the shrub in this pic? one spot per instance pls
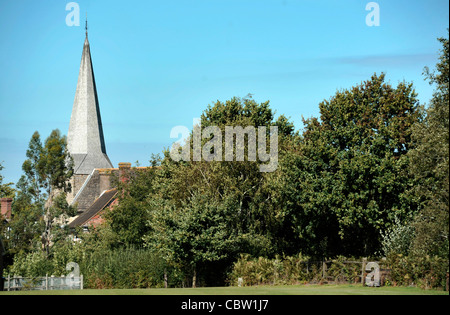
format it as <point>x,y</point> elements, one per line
<point>103,268</point>
<point>398,238</point>
<point>34,264</point>
<point>125,268</point>
<point>424,271</point>
<point>343,270</point>
<point>286,270</point>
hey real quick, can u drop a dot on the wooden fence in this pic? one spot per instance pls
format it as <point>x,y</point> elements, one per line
<point>373,273</point>
<point>295,270</point>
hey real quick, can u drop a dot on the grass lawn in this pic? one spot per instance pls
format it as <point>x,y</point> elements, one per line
<point>257,290</point>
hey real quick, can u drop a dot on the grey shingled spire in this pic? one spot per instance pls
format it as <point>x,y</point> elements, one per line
<point>85,139</point>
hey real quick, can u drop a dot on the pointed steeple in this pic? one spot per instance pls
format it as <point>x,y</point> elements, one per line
<point>85,139</point>
<point>86,28</point>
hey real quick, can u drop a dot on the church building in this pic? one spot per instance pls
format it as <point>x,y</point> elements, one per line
<point>92,189</point>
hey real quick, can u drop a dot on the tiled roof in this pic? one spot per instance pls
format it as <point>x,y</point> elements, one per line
<point>101,203</point>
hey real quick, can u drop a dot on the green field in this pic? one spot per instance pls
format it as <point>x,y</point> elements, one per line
<point>259,290</point>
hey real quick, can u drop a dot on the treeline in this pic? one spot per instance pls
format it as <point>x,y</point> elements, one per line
<point>368,177</point>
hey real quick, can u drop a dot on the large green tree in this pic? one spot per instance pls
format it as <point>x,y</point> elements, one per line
<point>128,219</point>
<point>41,193</point>
<point>345,179</point>
<point>430,165</point>
<point>203,213</point>
<point>27,224</point>
<point>55,168</point>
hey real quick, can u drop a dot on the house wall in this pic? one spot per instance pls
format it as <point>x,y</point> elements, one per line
<point>5,212</point>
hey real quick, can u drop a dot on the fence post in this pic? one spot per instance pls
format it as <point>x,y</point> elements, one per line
<point>81,282</point>
<point>9,282</point>
<point>364,261</point>
<point>324,266</point>
<point>446,282</point>
<point>165,278</point>
<point>46,281</point>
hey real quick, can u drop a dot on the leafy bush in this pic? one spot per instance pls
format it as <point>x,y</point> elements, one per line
<point>34,264</point>
<point>103,268</point>
<point>343,270</point>
<point>398,238</point>
<point>288,270</point>
<point>126,268</point>
<point>424,271</point>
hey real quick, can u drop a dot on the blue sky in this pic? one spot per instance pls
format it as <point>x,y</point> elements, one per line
<point>158,64</point>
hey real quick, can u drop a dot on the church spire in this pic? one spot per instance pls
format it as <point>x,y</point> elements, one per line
<point>86,26</point>
<point>85,140</point>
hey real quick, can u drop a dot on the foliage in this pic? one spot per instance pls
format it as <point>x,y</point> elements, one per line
<point>430,166</point>
<point>103,268</point>
<point>6,191</point>
<point>424,271</point>
<point>397,239</point>
<point>128,219</point>
<point>194,235</point>
<point>32,182</point>
<point>202,214</point>
<point>292,270</point>
<point>55,165</point>
<point>125,268</point>
<point>47,170</point>
<point>33,264</point>
<point>344,179</point>
<point>343,269</point>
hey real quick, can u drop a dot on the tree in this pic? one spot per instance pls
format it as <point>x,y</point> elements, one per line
<point>128,219</point>
<point>6,191</point>
<point>193,235</point>
<point>41,193</point>
<point>55,168</point>
<point>430,165</point>
<point>27,224</point>
<point>344,180</point>
<point>31,169</point>
<point>202,214</point>
<point>55,165</point>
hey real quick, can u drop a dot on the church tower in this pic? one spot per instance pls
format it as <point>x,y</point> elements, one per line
<point>85,140</point>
